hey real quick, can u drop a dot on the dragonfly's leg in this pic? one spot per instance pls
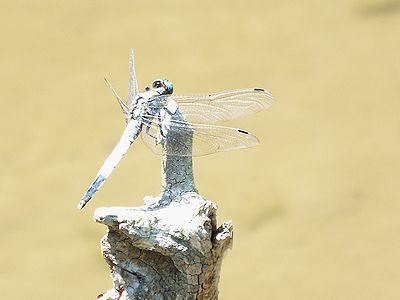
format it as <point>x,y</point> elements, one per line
<point>160,133</point>
<point>147,130</point>
<point>165,118</point>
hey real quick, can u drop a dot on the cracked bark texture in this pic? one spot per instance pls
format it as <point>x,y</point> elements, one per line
<point>177,170</point>
<point>172,252</point>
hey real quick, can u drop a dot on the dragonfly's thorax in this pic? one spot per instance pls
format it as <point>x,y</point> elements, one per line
<point>160,87</point>
<point>141,103</point>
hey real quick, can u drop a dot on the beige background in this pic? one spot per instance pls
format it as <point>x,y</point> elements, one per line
<point>315,206</point>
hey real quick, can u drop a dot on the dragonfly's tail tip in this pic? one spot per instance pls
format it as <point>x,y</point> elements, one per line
<point>82,204</point>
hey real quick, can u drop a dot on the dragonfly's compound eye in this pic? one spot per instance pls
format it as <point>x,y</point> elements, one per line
<point>157,84</point>
<point>164,84</point>
<point>169,87</point>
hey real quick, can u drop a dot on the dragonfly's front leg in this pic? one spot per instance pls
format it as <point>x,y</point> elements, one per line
<point>165,119</point>
<point>130,133</point>
<point>160,134</point>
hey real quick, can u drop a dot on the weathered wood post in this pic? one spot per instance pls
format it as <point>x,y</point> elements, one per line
<point>174,252</point>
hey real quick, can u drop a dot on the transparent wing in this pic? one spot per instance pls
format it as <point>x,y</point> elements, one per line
<point>206,139</point>
<point>132,85</point>
<point>223,106</point>
<point>120,101</point>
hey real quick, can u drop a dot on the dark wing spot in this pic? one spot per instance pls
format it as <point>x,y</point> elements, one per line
<point>242,131</point>
<point>259,89</point>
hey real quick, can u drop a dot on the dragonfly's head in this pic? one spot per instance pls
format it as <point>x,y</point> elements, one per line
<point>163,86</point>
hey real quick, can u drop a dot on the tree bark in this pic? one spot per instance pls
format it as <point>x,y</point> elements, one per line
<point>171,252</point>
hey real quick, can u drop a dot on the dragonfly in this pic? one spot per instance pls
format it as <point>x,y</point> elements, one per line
<point>161,117</point>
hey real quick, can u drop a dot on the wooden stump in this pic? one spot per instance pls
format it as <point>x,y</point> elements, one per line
<point>170,252</point>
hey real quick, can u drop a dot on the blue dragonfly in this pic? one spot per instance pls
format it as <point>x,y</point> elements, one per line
<point>180,125</point>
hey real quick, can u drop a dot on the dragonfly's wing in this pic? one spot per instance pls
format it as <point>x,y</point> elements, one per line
<point>223,106</point>
<point>129,135</point>
<point>132,85</point>
<point>207,139</point>
<point>122,104</point>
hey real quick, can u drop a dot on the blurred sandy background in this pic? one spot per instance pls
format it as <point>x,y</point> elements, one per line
<point>315,206</point>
